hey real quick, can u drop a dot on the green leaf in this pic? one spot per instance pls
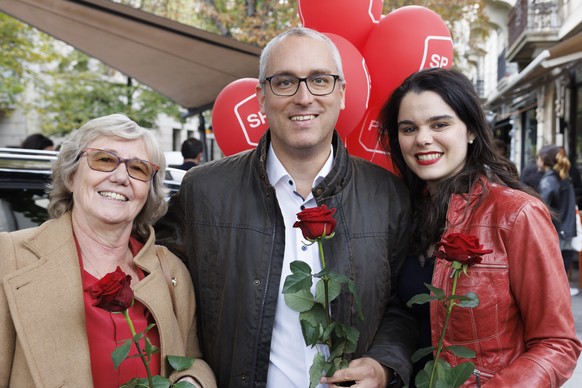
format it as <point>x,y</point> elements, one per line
<point>180,363</point>
<point>160,382</point>
<point>150,326</point>
<point>333,291</point>
<point>315,315</point>
<point>136,338</point>
<point>338,349</point>
<point>328,331</point>
<point>150,348</point>
<point>310,333</point>
<point>300,267</point>
<point>297,282</point>
<point>120,353</point>
<point>461,351</point>
<point>351,334</point>
<point>324,272</point>
<point>440,294</point>
<point>317,370</point>
<point>442,368</point>
<point>459,374</point>
<point>183,384</point>
<point>299,301</point>
<point>421,299</point>
<point>420,353</point>
<point>472,300</point>
<point>338,278</point>
<point>423,377</point>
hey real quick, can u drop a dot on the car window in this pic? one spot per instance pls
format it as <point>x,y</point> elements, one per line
<point>21,209</point>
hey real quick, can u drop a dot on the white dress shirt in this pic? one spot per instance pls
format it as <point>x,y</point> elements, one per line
<point>290,358</point>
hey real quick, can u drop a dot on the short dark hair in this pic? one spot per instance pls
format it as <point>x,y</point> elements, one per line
<point>191,148</point>
<point>37,141</point>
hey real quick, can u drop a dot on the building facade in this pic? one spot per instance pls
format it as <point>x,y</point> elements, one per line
<point>534,97</point>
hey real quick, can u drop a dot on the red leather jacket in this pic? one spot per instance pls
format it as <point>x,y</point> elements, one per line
<point>522,331</point>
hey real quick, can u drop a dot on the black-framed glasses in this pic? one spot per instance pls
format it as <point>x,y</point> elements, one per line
<point>106,161</point>
<point>288,85</point>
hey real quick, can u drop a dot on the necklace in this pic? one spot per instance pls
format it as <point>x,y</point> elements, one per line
<point>124,266</point>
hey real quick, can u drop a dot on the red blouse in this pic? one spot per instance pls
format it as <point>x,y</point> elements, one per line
<point>106,331</point>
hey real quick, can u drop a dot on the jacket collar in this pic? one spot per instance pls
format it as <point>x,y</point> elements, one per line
<point>45,299</point>
<point>334,182</point>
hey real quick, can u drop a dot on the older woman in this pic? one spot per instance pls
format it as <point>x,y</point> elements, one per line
<point>107,190</point>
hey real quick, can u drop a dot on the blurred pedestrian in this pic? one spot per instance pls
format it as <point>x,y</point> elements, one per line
<point>192,152</point>
<point>557,190</point>
<point>531,175</point>
<point>38,141</point>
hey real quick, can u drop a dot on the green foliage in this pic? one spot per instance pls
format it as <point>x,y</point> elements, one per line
<point>180,363</point>
<point>77,90</point>
<point>120,353</point>
<point>314,318</point>
<point>72,87</point>
<point>446,377</point>
<point>21,46</point>
<point>438,373</point>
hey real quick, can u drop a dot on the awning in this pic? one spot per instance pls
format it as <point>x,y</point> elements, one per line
<point>188,65</point>
<point>565,53</point>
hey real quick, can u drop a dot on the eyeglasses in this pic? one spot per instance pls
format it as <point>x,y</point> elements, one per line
<point>288,85</point>
<point>105,161</point>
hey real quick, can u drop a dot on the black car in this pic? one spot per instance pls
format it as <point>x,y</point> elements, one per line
<point>24,176</point>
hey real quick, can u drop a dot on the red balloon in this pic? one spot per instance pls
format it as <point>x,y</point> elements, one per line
<point>363,142</point>
<point>358,85</point>
<point>351,19</point>
<point>237,121</point>
<point>406,40</point>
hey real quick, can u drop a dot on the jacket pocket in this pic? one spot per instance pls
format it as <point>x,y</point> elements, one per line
<point>486,321</point>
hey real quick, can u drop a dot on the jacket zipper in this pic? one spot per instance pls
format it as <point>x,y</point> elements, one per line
<point>477,374</point>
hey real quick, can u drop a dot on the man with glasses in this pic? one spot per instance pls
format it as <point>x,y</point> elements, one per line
<point>232,223</point>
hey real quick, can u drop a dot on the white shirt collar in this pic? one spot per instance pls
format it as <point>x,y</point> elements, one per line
<point>276,171</point>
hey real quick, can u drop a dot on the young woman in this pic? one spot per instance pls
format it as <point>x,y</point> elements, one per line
<point>522,331</point>
<point>557,191</point>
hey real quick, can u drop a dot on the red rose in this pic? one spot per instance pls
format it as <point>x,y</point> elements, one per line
<point>316,222</point>
<point>462,248</point>
<point>112,291</point>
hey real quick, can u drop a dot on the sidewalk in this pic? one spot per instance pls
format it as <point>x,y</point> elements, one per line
<point>576,379</point>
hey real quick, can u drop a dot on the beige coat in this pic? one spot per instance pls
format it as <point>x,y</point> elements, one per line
<point>43,339</point>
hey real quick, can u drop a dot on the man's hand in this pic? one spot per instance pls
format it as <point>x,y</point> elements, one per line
<point>365,372</point>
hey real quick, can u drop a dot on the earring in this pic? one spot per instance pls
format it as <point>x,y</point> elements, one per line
<point>471,141</point>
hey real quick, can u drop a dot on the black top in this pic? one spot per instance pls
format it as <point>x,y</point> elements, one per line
<point>411,283</point>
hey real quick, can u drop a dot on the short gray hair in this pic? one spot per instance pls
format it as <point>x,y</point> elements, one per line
<point>113,126</point>
<point>298,31</point>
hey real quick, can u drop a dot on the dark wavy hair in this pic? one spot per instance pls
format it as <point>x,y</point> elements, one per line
<point>483,159</point>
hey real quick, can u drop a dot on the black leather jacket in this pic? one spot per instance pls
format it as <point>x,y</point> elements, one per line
<point>225,223</point>
<point>559,195</point>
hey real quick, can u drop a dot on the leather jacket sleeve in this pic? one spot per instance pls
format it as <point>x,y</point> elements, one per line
<point>394,339</point>
<point>541,292</point>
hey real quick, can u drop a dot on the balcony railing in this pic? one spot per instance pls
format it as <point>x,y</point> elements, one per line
<point>532,16</point>
<point>480,87</point>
